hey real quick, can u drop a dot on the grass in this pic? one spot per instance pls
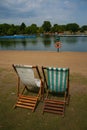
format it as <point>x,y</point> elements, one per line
<point>23,119</point>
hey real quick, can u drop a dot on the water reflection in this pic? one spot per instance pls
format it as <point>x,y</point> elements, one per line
<point>70,40</point>
<point>24,42</point>
<point>45,43</point>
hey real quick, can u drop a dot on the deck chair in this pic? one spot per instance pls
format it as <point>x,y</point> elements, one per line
<point>57,81</point>
<point>26,78</point>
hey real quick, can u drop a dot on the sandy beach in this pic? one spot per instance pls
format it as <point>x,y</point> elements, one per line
<point>76,61</point>
<point>19,118</point>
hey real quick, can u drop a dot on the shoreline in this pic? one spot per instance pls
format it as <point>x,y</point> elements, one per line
<point>76,61</point>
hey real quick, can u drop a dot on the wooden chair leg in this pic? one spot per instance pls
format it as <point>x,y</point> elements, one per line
<point>68,99</point>
<point>54,106</point>
<point>28,102</point>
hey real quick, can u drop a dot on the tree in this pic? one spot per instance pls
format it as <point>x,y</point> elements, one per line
<point>7,29</point>
<point>83,28</point>
<point>40,30</point>
<point>46,26</point>
<point>55,28</point>
<point>22,28</point>
<point>73,27</point>
<point>32,29</point>
<point>4,29</point>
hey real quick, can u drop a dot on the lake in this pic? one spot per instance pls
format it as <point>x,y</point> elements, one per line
<point>78,44</point>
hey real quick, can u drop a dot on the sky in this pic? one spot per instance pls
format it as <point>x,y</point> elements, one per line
<point>30,12</point>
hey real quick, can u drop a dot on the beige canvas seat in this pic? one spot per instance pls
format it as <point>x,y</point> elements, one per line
<point>26,77</point>
<point>57,82</point>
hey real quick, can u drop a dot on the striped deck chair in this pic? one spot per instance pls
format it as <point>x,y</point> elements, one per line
<point>57,81</point>
<point>26,78</point>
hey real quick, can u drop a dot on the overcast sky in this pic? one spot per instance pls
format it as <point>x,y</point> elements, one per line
<point>37,11</point>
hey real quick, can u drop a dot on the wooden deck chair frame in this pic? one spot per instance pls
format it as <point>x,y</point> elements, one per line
<point>23,100</point>
<point>52,105</point>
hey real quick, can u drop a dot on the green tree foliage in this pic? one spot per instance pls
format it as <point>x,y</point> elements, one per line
<point>58,28</point>
<point>46,26</point>
<point>55,28</point>
<point>73,27</point>
<point>7,29</point>
<point>4,29</point>
<point>13,30</point>
<point>83,28</point>
<point>22,28</point>
<point>40,30</point>
<point>32,29</point>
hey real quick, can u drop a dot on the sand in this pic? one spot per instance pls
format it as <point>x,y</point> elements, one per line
<point>76,61</point>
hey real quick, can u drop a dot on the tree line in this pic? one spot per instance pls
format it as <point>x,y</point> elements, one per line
<point>46,27</point>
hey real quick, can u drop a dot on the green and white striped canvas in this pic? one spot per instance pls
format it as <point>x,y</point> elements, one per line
<point>57,79</point>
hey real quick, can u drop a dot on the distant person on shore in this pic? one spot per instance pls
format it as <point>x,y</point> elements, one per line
<point>58,43</point>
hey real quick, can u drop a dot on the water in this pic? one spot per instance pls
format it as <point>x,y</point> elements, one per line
<point>78,44</point>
